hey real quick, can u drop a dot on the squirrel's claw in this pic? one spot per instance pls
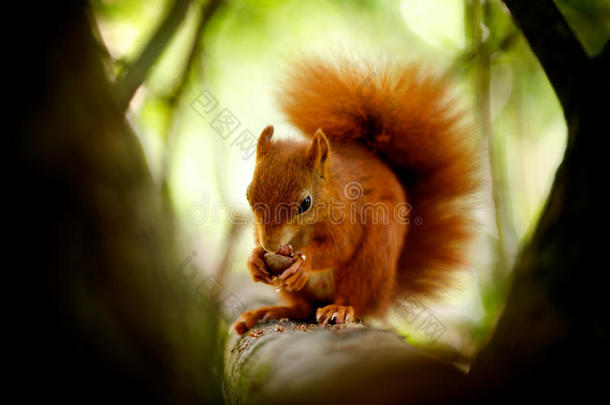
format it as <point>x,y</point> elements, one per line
<point>295,277</point>
<point>335,314</point>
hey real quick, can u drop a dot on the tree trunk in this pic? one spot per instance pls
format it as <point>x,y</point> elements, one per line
<point>109,313</point>
<point>553,332</point>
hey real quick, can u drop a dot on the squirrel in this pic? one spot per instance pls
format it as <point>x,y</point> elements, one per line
<point>377,202</point>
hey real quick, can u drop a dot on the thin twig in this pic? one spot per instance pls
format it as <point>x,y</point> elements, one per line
<point>197,45</point>
<point>478,15</point>
<point>231,240</point>
<point>132,78</point>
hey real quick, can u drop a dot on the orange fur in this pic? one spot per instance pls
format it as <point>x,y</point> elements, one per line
<point>395,135</point>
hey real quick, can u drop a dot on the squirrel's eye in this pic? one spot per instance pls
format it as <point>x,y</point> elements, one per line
<point>305,204</point>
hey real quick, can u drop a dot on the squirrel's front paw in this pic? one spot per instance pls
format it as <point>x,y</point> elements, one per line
<point>294,277</point>
<point>336,314</point>
<point>258,268</point>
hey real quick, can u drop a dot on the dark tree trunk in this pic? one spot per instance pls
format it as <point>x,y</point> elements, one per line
<point>554,332</point>
<point>109,317</point>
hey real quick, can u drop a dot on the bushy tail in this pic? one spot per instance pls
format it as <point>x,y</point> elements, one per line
<point>411,121</point>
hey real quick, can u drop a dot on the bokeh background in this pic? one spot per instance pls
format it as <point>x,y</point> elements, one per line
<point>231,57</point>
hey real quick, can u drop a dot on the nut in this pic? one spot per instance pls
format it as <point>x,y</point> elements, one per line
<point>277,263</point>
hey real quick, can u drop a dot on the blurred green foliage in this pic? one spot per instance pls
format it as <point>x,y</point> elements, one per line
<point>589,20</point>
<point>247,44</point>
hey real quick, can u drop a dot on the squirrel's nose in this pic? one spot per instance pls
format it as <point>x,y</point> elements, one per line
<point>272,238</point>
<point>271,246</point>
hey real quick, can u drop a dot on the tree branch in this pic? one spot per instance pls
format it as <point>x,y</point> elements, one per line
<point>300,363</point>
<point>194,55</point>
<point>556,286</point>
<point>477,16</point>
<point>551,39</point>
<point>207,11</point>
<point>129,80</point>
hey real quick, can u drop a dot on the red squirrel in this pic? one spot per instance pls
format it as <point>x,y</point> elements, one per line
<point>377,202</point>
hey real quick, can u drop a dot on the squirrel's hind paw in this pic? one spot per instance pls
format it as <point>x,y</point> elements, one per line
<point>336,314</point>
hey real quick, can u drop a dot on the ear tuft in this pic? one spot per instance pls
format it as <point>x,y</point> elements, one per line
<point>264,140</point>
<point>319,150</point>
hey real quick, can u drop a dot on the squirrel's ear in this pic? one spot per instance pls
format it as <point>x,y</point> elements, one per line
<point>319,150</point>
<point>263,141</point>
